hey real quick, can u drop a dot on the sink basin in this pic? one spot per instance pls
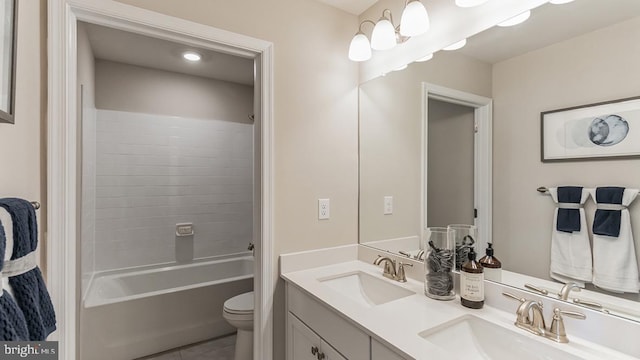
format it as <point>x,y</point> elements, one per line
<point>365,289</point>
<point>470,337</point>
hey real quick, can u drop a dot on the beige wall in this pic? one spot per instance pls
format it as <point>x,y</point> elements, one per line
<point>391,138</point>
<point>23,145</point>
<point>595,67</point>
<point>188,96</point>
<point>315,116</point>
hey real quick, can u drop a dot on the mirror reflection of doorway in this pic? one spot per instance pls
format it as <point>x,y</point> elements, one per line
<point>450,169</point>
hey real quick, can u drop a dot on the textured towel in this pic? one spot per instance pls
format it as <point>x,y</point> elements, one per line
<point>29,289</point>
<point>569,219</point>
<point>615,266</point>
<point>571,251</point>
<point>607,222</point>
<point>13,326</point>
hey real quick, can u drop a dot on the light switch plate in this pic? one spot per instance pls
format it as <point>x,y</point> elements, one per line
<point>388,205</point>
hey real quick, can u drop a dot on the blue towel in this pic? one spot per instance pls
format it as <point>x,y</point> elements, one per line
<point>29,288</point>
<point>607,222</point>
<point>13,326</point>
<point>569,219</point>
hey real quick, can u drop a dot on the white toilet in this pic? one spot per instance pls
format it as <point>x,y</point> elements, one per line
<point>238,311</point>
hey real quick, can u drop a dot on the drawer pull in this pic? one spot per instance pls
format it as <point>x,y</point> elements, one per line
<point>314,350</point>
<point>321,356</point>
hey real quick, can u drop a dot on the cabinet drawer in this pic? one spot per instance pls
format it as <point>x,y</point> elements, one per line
<point>346,338</point>
<point>381,352</point>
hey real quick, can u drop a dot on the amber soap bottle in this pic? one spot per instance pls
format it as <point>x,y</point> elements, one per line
<point>492,266</point>
<point>472,283</point>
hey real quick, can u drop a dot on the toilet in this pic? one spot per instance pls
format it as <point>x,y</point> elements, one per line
<point>238,311</point>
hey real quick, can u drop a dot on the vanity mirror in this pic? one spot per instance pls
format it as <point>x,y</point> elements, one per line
<point>422,163</point>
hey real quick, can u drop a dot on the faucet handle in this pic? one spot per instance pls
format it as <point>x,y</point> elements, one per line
<point>400,275</point>
<point>536,289</point>
<point>510,295</point>
<point>557,331</point>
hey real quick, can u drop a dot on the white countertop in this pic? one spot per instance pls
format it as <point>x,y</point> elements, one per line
<point>398,323</point>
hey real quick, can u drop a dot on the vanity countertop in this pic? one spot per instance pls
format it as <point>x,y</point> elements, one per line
<point>398,323</point>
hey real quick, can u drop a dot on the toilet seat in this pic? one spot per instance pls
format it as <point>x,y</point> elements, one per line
<point>240,305</point>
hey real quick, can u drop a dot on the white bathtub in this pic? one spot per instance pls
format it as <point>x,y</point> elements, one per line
<point>130,314</point>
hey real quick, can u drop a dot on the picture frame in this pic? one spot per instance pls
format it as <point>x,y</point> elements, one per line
<point>599,131</point>
<point>8,40</point>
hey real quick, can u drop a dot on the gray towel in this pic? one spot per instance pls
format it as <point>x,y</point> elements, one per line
<point>13,326</point>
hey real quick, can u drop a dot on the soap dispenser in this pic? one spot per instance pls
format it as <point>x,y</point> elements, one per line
<point>492,266</point>
<point>472,282</point>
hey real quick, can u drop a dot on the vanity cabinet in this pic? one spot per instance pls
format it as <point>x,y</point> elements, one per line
<point>341,339</point>
<point>305,344</point>
<point>315,332</point>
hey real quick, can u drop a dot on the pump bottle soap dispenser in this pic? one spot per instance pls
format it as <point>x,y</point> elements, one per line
<point>492,266</point>
<point>472,283</point>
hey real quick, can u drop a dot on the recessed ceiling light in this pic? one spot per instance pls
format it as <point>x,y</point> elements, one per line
<point>459,45</point>
<point>191,56</point>
<point>518,19</point>
<point>560,2</point>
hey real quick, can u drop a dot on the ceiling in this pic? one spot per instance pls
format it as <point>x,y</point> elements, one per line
<point>355,7</point>
<point>129,48</point>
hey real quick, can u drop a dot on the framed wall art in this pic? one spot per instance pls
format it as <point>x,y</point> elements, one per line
<point>596,131</point>
<point>8,20</point>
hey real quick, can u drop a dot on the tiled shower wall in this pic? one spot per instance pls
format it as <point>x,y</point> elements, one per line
<point>153,171</point>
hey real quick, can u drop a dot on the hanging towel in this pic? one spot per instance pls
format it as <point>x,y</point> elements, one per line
<point>615,266</point>
<point>13,326</point>
<point>606,221</point>
<point>570,250</point>
<point>29,288</point>
<point>569,219</point>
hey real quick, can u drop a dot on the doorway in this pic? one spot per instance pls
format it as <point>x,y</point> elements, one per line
<point>63,149</point>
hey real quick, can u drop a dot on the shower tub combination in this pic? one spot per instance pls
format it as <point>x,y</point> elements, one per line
<point>141,311</point>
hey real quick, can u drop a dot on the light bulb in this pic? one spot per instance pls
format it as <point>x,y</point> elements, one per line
<point>191,56</point>
<point>426,58</point>
<point>383,36</point>
<point>360,48</point>
<point>470,3</point>
<point>560,2</point>
<point>455,46</point>
<point>518,19</point>
<point>415,20</point>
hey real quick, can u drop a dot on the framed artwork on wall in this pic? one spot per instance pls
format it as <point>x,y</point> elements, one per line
<point>592,132</point>
<point>8,20</point>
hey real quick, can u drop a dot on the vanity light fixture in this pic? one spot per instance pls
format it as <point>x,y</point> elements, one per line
<point>385,35</point>
<point>560,2</point>
<point>470,3</point>
<point>518,19</point>
<point>400,68</point>
<point>191,56</point>
<point>455,46</point>
<point>426,58</point>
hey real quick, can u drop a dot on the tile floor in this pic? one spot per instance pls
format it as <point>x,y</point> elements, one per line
<point>216,349</point>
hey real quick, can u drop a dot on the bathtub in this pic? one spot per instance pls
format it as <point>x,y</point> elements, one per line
<point>137,312</point>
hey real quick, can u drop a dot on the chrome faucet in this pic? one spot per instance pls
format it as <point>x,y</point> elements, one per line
<point>389,266</point>
<point>566,289</point>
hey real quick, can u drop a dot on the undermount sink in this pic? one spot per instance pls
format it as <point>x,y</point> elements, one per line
<point>470,337</point>
<point>365,289</point>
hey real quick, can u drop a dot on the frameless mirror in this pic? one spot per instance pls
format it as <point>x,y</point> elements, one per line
<point>422,162</point>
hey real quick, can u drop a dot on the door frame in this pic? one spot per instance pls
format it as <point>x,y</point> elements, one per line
<point>483,119</point>
<point>63,147</point>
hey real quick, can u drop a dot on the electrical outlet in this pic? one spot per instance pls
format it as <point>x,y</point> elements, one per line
<point>184,229</point>
<point>388,205</point>
<point>323,209</point>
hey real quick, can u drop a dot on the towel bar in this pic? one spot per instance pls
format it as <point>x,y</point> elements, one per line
<point>543,190</point>
<point>36,205</point>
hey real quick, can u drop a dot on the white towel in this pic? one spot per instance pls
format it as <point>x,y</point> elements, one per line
<point>571,252</point>
<point>615,266</point>
<point>7,223</point>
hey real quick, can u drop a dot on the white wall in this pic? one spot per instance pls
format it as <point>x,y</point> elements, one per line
<point>391,139</point>
<point>23,144</point>
<point>595,67</point>
<point>87,198</point>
